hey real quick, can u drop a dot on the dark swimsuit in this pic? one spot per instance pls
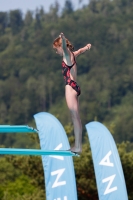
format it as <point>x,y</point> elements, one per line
<point>66,75</point>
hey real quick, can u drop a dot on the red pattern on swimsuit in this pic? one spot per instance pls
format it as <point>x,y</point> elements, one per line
<point>68,80</point>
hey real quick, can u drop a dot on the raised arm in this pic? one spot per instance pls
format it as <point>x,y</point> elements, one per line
<point>64,46</point>
<point>82,50</point>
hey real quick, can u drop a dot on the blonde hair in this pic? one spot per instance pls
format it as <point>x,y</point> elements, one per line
<point>58,42</point>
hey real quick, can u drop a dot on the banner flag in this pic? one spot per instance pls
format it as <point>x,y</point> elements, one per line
<point>108,170</point>
<point>59,170</point>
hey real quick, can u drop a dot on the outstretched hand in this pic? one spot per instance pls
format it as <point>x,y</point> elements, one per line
<point>88,46</point>
<point>62,35</point>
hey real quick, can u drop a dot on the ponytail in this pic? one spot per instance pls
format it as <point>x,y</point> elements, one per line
<point>69,45</point>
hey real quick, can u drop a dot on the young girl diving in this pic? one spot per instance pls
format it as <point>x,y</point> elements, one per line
<point>72,91</point>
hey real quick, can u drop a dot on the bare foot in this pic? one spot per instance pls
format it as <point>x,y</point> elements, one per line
<point>76,150</point>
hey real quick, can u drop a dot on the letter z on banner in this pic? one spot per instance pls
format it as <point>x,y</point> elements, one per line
<point>59,171</point>
<point>107,164</point>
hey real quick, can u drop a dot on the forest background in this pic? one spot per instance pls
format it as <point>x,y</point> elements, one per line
<point>31,82</point>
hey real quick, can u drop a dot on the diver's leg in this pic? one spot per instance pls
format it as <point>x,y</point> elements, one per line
<point>73,105</point>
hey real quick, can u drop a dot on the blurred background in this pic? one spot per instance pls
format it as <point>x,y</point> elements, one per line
<point>31,81</point>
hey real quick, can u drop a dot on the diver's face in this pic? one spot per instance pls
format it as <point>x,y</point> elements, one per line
<point>59,50</point>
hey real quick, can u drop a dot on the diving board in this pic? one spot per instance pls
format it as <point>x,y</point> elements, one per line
<point>15,151</point>
<point>17,128</point>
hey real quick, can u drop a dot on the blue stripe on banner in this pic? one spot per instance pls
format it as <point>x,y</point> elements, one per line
<point>59,171</point>
<point>107,164</point>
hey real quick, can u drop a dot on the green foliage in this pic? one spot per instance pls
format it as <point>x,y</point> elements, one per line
<point>119,115</point>
<point>36,195</point>
<point>126,156</point>
<point>3,22</point>
<point>30,166</point>
<point>14,184</point>
<point>7,171</point>
<point>68,8</point>
<point>16,21</point>
<point>4,41</point>
<point>21,186</point>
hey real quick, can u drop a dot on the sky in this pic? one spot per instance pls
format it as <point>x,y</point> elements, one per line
<point>24,5</point>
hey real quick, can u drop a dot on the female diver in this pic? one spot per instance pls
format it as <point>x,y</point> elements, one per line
<point>69,70</point>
